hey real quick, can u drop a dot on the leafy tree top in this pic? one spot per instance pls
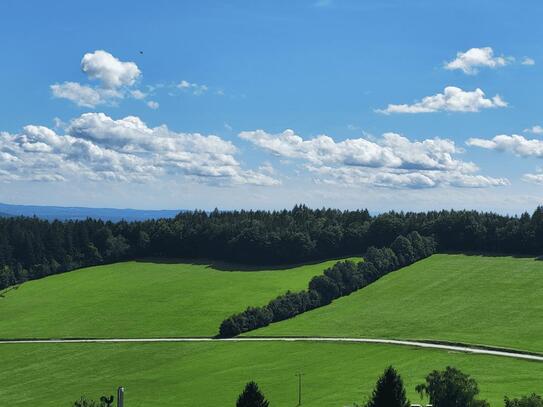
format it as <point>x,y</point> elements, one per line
<point>451,388</point>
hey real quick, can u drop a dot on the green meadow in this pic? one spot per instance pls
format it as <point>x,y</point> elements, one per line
<point>472,299</point>
<point>213,374</point>
<point>142,299</point>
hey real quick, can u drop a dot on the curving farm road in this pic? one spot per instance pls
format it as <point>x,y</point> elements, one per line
<point>479,350</point>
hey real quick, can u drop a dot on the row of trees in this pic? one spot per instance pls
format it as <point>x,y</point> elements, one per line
<point>341,279</point>
<point>446,388</point>
<point>32,248</point>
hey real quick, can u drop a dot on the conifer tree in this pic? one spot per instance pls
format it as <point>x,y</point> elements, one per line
<point>389,391</point>
<point>252,397</point>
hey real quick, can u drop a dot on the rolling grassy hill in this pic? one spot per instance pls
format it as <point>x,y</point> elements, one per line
<point>213,374</point>
<point>473,299</point>
<point>141,299</point>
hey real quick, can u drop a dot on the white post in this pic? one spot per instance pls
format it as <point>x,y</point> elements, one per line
<point>120,397</point>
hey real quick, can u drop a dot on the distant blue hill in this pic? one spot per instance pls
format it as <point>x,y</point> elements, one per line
<point>79,213</point>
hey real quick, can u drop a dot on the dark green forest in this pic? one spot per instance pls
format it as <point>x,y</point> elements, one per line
<point>32,248</point>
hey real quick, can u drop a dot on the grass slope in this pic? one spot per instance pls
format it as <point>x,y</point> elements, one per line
<point>137,299</point>
<point>473,299</point>
<point>213,374</point>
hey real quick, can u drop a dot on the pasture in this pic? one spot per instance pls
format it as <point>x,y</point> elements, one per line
<point>213,374</point>
<point>142,299</point>
<point>494,301</point>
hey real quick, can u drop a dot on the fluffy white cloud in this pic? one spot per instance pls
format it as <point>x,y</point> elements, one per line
<point>392,161</point>
<point>110,71</point>
<point>195,88</point>
<point>81,95</point>
<point>537,129</point>
<point>528,61</point>
<point>100,148</point>
<point>515,144</point>
<point>475,58</point>
<point>115,77</point>
<point>153,105</point>
<point>518,145</point>
<point>452,99</point>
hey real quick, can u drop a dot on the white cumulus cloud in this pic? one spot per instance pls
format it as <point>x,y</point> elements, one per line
<point>392,161</point>
<point>99,148</point>
<point>515,144</point>
<point>116,80</point>
<point>537,129</point>
<point>81,95</point>
<point>471,60</point>
<point>109,70</point>
<point>453,99</point>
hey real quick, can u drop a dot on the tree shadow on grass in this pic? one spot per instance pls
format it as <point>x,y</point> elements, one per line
<point>490,254</point>
<point>230,266</point>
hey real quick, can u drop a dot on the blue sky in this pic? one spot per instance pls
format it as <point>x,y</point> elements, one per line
<point>211,90</point>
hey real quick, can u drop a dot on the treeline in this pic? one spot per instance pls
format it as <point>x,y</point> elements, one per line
<point>32,248</point>
<point>443,388</point>
<point>341,279</point>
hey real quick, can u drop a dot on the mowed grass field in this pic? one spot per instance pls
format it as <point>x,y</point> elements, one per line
<point>213,374</point>
<point>142,299</point>
<point>473,299</point>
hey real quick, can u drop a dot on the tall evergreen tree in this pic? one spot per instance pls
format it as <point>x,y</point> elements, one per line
<point>389,391</point>
<point>252,397</point>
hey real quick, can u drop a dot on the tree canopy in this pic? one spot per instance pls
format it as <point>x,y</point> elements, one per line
<point>451,388</point>
<point>32,248</point>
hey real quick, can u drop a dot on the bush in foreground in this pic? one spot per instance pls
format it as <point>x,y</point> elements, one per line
<point>532,400</point>
<point>84,402</point>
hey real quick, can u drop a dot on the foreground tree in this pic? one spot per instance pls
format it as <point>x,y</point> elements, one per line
<point>451,388</point>
<point>389,391</point>
<point>84,402</point>
<point>532,400</point>
<point>252,397</point>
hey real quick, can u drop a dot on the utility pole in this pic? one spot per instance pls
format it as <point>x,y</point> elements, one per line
<point>299,387</point>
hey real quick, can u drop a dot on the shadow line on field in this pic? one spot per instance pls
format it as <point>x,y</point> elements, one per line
<point>231,266</point>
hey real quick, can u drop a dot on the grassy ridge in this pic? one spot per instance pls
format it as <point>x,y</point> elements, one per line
<point>137,299</point>
<point>213,374</point>
<point>474,299</point>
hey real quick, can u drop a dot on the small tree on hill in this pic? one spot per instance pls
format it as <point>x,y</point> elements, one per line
<point>252,397</point>
<point>389,391</point>
<point>451,388</point>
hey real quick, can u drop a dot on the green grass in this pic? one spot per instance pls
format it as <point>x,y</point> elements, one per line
<point>138,299</point>
<point>473,299</point>
<point>213,374</point>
